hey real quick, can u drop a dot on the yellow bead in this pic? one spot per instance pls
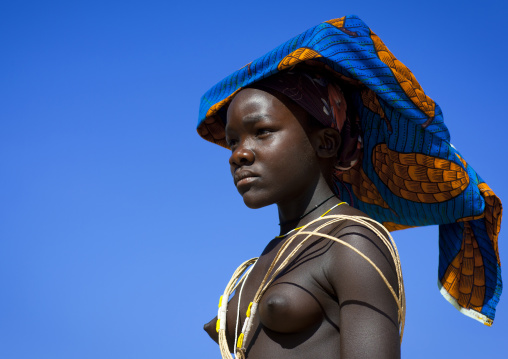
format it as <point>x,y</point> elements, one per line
<point>240,341</point>
<point>248,310</point>
<point>217,325</point>
<point>220,301</point>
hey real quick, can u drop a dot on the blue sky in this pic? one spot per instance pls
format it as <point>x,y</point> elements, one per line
<point>120,227</point>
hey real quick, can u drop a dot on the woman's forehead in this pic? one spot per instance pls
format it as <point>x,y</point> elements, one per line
<point>251,96</point>
<point>253,105</point>
<point>254,102</point>
<point>267,100</point>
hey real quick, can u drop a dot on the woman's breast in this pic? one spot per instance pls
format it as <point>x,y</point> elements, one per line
<point>288,307</point>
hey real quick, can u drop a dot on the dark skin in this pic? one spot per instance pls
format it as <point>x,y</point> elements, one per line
<point>329,302</point>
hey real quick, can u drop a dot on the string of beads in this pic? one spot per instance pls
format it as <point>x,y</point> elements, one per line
<point>272,273</point>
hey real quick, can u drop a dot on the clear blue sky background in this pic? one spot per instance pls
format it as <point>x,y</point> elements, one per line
<point>120,227</point>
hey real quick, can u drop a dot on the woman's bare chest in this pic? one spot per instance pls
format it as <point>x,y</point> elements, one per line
<point>297,299</point>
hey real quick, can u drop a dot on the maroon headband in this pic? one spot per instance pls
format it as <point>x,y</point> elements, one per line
<point>323,99</point>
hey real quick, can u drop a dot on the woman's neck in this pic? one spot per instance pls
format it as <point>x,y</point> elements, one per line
<point>305,208</point>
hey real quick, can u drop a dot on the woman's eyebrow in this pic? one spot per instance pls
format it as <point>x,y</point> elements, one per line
<point>251,119</point>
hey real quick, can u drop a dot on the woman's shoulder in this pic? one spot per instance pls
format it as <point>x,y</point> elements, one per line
<point>360,245</point>
<point>353,222</point>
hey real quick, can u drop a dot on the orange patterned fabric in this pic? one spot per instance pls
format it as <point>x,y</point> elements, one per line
<point>464,279</point>
<point>297,56</point>
<point>418,177</point>
<point>404,77</point>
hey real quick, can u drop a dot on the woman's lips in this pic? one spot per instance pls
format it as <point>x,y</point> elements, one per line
<point>245,181</point>
<point>243,178</point>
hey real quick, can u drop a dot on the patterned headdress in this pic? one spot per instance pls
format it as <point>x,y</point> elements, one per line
<point>322,97</point>
<point>408,173</point>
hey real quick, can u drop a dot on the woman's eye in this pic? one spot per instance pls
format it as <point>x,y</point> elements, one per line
<point>263,132</point>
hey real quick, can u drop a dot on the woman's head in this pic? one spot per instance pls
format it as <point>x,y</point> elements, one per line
<point>286,132</point>
<point>279,152</point>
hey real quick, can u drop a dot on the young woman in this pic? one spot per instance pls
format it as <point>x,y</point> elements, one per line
<point>332,116</point>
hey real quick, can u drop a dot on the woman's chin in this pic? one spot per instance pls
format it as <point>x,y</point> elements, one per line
<point>255,202</point>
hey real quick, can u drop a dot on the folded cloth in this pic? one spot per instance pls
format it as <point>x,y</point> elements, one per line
<point>409,174</point>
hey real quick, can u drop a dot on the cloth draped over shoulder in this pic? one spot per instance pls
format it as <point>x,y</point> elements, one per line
<point>408,173</point>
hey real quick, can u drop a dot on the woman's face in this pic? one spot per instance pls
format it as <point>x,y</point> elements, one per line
<point>272,159</point>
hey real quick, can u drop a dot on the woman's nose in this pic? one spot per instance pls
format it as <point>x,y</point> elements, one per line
<point>241,156</point>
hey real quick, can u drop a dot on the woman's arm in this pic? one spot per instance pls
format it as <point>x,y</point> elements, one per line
<point>368,311</point>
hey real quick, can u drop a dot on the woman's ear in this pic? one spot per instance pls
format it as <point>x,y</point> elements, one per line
<point>326,142</point>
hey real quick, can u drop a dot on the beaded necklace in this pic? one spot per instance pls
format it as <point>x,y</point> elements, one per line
<point>272,273</point>
<point>324,214</point>
<point>309,212</point>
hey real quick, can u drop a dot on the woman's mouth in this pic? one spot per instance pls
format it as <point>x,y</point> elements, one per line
<point>245,181</point>
<point>243,178</point>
